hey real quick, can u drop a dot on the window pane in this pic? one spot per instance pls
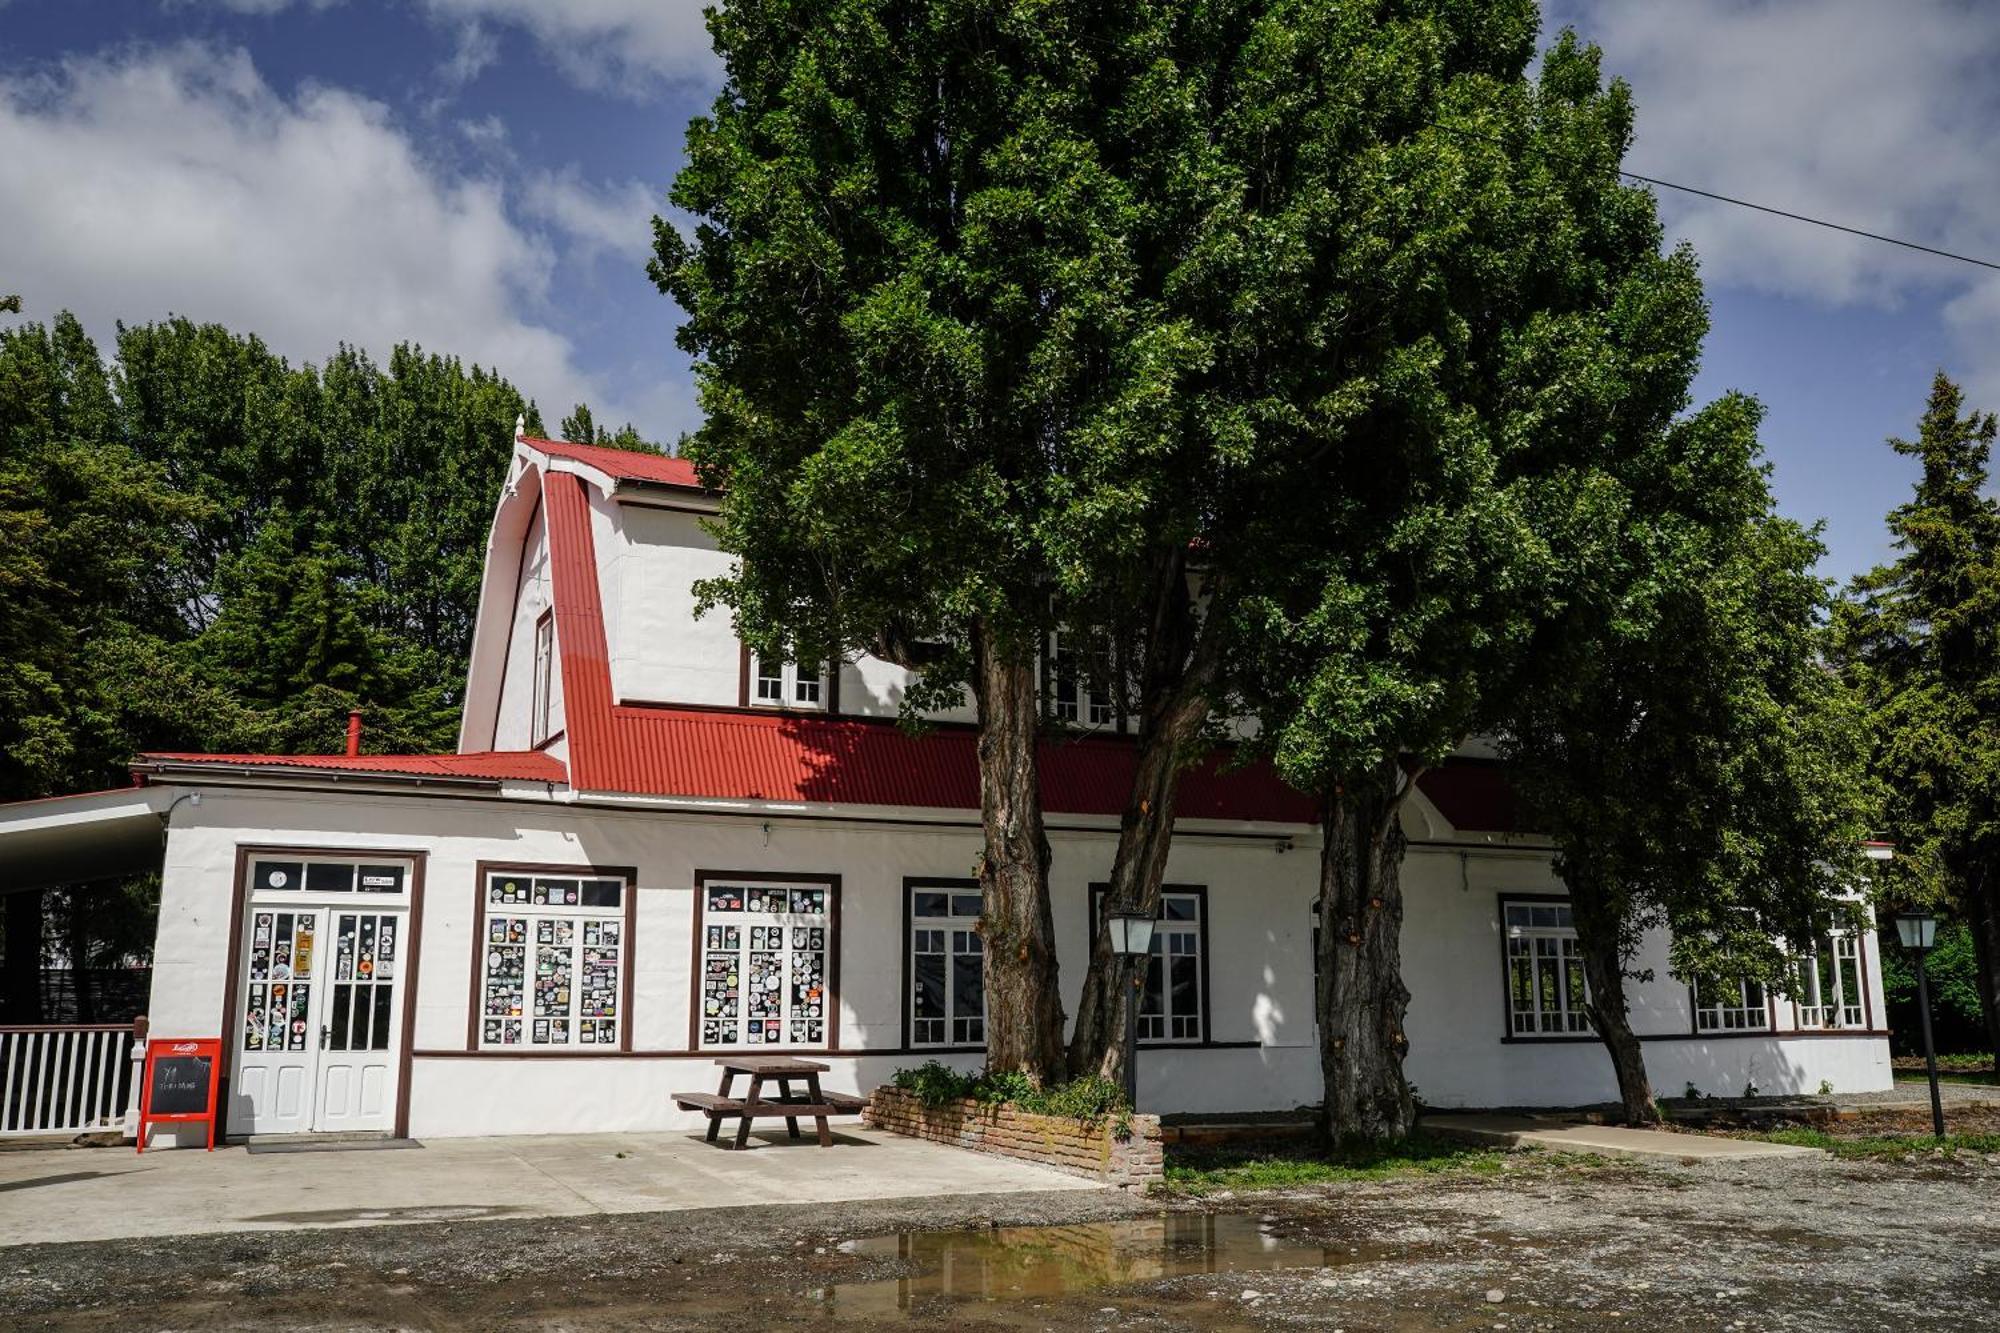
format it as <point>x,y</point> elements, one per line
<point>929,903</point>
<point>1184,1000</point>
<point>927,998</point>
<point>1180,907</point>
<point>965,904</point>
<point>382,879</point>
<point>329,877</point>
<point>603,893</point>
<point>968,985</point>
<point>278,875</point>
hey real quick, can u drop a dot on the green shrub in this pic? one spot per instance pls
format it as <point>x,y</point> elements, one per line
<point>1089,1099</point>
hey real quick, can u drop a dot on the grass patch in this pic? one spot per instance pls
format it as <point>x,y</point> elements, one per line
<point>1984,1078</point>
<point>1197,1171</point>
<point>1884,1146</point>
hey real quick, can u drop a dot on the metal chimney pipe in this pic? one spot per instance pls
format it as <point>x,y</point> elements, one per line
<point>353,732</point>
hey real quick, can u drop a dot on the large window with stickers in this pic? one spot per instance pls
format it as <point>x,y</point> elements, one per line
<point>555,959</point>
<point>766,950</point>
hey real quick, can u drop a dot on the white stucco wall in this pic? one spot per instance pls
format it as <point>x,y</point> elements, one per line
<point>532,597</point>
<point>662,652</point>
<point>1259,968</point>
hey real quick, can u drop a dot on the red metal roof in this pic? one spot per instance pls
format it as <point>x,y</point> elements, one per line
<point>647,466</point>
<point>848,761</point>
<point>1476,797</point>
<point>522,765</point>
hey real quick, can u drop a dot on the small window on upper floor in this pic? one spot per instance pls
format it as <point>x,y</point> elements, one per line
<point>786,684</point>
<point>545,670</point>
<point>1080,677</point>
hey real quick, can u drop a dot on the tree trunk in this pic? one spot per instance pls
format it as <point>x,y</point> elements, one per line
<point>1145,835</point>
<point>1982,914</point>
<point>1601,939</point>
<point>1024,1020</point>
<point>1362,998</point>
<point>21,969</point>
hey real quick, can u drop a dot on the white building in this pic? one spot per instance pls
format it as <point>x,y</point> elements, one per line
<point>651,848</point>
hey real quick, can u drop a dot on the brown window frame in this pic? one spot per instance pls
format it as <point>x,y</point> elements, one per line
<point>820,879</point>
<point>475,983</point>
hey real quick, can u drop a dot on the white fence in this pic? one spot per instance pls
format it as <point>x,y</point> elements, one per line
<point>67,1080</point>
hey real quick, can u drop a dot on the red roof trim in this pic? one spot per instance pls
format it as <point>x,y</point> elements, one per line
<point>649,467</point>
<point>580,644</point>
<point>522,765</point>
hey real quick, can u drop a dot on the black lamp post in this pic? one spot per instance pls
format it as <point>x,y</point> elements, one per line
<point>1131,938</point>
<point>1918,932</point>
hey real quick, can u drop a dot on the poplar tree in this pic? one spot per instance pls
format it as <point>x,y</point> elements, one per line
<point>1920,638</point>
<point>1683,742</point>
<point>1447,496</point>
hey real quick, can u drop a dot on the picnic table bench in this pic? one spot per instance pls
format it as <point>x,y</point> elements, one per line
<point>753,1105</point>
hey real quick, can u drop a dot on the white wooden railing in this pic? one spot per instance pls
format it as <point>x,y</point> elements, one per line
<point>68,1080</point>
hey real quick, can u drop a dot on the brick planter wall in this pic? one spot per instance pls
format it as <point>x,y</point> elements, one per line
<point>1073,1146</point>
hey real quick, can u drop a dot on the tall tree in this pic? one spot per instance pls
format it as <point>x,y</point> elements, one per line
<point>938,375</point>
<point>1324,189</point>
<point>85,525</point>
<point>1682,742</point>
<point>582,428</point>
<point>1920,638</point>
<point>1442,502</point>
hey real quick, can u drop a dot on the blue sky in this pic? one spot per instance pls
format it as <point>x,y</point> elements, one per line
<point>478,175</point>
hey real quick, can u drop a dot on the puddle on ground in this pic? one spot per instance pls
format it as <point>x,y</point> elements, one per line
<point>1008,1264</point>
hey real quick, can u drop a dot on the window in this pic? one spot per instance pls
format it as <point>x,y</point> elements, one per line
<point>545,657</point>
<point>1173,1006</point>
<point>1730,1006</point>
<point>324,876</point>
<point>766,947</point>
<point>555,948</point>
<point>1082,681</point>
<point>947,964</point>
<point>1829,991</point>
<point>783,685</point>
<point>1546,993</point>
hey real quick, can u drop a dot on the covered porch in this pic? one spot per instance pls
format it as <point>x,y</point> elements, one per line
<point>66,1062</point>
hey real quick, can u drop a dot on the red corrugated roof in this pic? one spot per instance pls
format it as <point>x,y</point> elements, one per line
<point>648,466</point>
<point>1475,797</point>
<point>846,761</point>
<point>522,765</point>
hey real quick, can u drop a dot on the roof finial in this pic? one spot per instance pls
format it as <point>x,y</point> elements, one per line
<point>520,427</point>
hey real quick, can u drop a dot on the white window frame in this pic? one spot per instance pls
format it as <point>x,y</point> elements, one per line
<point>1540,936</point>
<point>1825,1000</point>
<point>786,687</point>
<point>795,1022</point>
<point>1076,697</point>
<point>544,684</point>
<point>1730,1005</point>
<point>593,934</point>
<point>952,935</point>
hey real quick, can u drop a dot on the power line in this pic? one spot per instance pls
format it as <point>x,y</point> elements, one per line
<point>1817,222</point>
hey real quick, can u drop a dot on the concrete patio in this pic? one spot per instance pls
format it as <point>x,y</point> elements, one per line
<point>78,1194</point>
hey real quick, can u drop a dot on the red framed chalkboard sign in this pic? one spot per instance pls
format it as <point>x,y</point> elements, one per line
<point>179,1084</point>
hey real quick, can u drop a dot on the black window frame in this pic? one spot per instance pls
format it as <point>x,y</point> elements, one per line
<point>907,1005</point>
<point>1200,893</point>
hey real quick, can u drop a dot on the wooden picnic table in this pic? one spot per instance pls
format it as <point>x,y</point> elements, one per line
<point>783,1070</point>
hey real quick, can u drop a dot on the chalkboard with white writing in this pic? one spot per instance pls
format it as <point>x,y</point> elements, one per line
<point>179,1085</point>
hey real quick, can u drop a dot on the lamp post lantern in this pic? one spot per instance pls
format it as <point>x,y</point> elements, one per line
<point>1131,939</point>
<point>1918,933</point>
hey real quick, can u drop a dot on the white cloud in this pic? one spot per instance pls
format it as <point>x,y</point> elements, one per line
<point>625,46</point>
<point>176,179</point>
<point>1873,115</point>
<point>475,51</point>
<point>613,219</point>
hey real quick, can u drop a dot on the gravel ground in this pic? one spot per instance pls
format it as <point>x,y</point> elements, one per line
<point>1785,1244</point>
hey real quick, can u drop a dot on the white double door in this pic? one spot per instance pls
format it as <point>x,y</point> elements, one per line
<point>320,1026</point>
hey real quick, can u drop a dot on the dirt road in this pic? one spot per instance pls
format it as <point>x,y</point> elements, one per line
<point>1790,1245</point>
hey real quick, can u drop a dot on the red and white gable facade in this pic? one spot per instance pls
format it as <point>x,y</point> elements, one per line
<point>650,849</point>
